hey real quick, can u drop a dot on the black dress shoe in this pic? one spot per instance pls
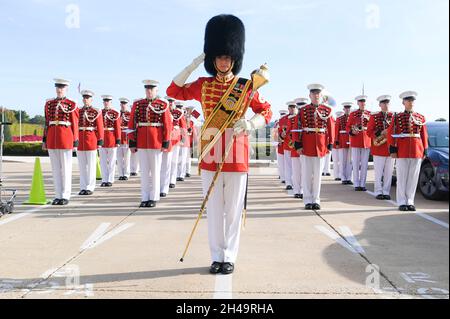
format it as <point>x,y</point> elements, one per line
<point>103,185</point>
<point>323,174</point>
<point>403,208</point>
<point>363,189</point>
<point>357,189</point>
<point>88,193</point>
<point>411,208</point>
<point>380,197</point>
<point>180,179</point>
<point>309,206</point>
<point>387,197</point>
<point>82,192</point>
<point>337,179</point>
<point>63,202</point>
<point>163,195</point>
<point>283,182</point>
<point>215,268</point>
<point>172,186</point>
<point>120,178</point>
<point>227,268</point>
<point>327,174</point>
<point>298,196</point>
<point>316,207</point>
<point>289,188</point>
<point>151,203</point>
<point>188,175</point>
<point>56,201</point>
<point>109,184</point>
<point>143,204</point>
<point>125,178</point>
<point>349,183</point>
<point>133,174</point>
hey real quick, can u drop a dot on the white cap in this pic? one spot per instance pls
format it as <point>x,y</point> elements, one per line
<point>282,112</point>
<point>384,98</point>
<point>408,94</point>
<point>150,82</point>
<point>124,100</point>
<point>361,97</point>
<point>301,100</point>
<point>191,108</point>
<point>107,97</point>
<point>291,103</point>
<point>347,103</point>
<point>61,81</point>
<point>88,93</point>
<point>316,86</point>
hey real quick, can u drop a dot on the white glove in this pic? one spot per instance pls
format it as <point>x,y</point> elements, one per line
<point>181,78</point>
<point>257,122</point>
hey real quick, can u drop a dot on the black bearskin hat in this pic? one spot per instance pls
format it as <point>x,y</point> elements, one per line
<point>224,35</point>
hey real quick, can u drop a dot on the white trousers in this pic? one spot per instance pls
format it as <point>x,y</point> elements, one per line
<point>288,168</point>
<point>174,165</point>
<point>297,174</point>
<point>87,164</point>
<point>336,163</point>
<point>345,164</point>
<point>150,163</point>
<point>312,177</point>
<point>188,161</point>
<point>108,158</point>
<point>123,160</point>
<point>134,163</point>
<point>224,211</point>
<point>166,162</point>
<point>61,161</point>
<point>280,161</point>
<point>182,156</point>
<point>408,170</point>
<point>360,160</point>
<point>384,167</point>
<point>327,163</point>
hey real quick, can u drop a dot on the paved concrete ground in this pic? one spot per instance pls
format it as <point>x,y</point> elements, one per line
<point>105,247</point>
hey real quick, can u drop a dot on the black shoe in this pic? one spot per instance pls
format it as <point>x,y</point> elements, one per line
<point>357,189</point>
<point>125,178</point>
<point>387,197</point>
<point>215,268</point>
<point>345,183</point>
<point>63,202</point>
<point>380,197</point>
<point>411,208</point>
<point>163,195</point>
<point>337,179</point>
<point>298,196</point>
<point>188,175</point>
<point>82,192</point>
<point>172,186</point>
<point>349,183</point>
<point>88,193</point>
<point>109,184</point>
<point>120,178</point>
<point>323,174</point>
<point>309,206</point>
<point>151,203</point>
<point>227,268</point>
<point>103,185</point>
<point>180,179</point>
<point>283,182</point>
<point>327,174</point>
<point>289,188</point>
<point>56,201</point>
<point>363,189</point>
<point>133,174</point>
<point>316,207</point>
<point>403,208</point>
<point>143,204</point>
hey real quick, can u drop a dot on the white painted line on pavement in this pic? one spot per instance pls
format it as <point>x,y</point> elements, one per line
<point>330,233</point>
<point>95,235</point>
<point>14,217</point>
<point>99,237</point>
<point>347,233</point>
<point>224,287</point>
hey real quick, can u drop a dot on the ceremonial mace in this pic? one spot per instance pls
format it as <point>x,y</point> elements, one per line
<point>260,77</point>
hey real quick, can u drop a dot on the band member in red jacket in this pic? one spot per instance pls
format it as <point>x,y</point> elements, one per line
<point>108,153</point>
<point>91,138</point>
<point>288,144</point>
<point>343,145</point>
<point>177,138</point>
<point>60,139</point>
<point>123,151</point>
<point>192,136</point>
<point>167,155</point>
<point>360,143</point>
<point>314,140</point>
<point>280,148</point>
<point>408,143</point>
<point>335,151</point>
<point>382,161</point>
<point>224,50</point>
<point>150,122</point>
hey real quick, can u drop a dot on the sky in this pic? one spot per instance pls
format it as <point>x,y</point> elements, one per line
<point>111,46</point>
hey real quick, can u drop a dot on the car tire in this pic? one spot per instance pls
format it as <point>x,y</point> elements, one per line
<point>427,183</point>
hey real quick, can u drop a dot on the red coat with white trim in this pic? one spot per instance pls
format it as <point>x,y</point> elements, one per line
<point>341,135</point>
<point>360,120</point>
<point>152,122</point>
<point>414,141</point>
<point>191,133</point>
<point>292,121</point>
<point>282,132</point>
<point>208,91</point>
<point>91,129</point>
<point>124,121</point>
<point>378,123</point>
<point>62,135</point>
<point>179,127</point>
<point>317,130</point>
<point>111,123</point>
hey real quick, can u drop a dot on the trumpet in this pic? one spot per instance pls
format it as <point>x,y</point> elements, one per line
<point>357,129</point>
<point>381,140</point>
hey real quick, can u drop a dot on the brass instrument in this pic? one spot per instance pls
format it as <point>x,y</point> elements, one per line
<point>381,140</point>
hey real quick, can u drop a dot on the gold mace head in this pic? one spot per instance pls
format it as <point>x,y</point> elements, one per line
<point>260,77</point>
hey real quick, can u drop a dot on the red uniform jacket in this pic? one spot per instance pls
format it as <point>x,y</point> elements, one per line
<point>61,124</point>
<point>276,127</point>
<point>152,122</point>
<point>360,120</point>
<point>317,130</point>
<point>91,129</point>
<point>111,123</point>
<point>292,119</point>
<point>282,132</point>
<point>191,133</point>
<point>208,91</point>
<point>378,123</point>
<point>124,121</point>
<point>341,134</point>
<point>179,127</point>
<point>414,136</point>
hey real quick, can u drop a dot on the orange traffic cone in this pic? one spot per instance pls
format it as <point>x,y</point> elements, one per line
<point>37,193</point>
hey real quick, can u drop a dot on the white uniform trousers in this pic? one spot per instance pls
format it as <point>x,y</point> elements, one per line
<point>360,160</point>
<point>108,158</point>
<point>87,164</point>
<point>297,174</point>
<point>384,167</point>
<point>288,168</point>
<point>345,163</point>
<point>150,163</point>
<point>61,161</point>
<point>134,163</point>
<point>123,160</point>
<point>408,170</point>
<point>174,164</point>
<point>280,161</point>
<point>224,213</point>
<point>336,163</point>
<point>188,161</point>
<point>327,163</point>
<point>181,171</point>
<point>166,162</point>
<point>312,178</point>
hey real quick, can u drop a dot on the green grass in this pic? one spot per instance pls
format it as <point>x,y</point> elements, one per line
<point>27,129</point>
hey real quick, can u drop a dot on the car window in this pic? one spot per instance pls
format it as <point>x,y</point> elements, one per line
<point>438,136</point>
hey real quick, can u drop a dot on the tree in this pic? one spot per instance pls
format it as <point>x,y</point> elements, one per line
<point>7,133</point>
<point>25,116</point>
<point>38,119</point>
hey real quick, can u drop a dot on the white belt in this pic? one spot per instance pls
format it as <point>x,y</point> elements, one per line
<point>109,129</point>
<point>315,130</point>
<point>176,127</point>
<point>60,123</point>
<point>86,128</point>
<point>124,127</point>
<point>406,135</point>
<point>343,132</point>
<point>149,124</point>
